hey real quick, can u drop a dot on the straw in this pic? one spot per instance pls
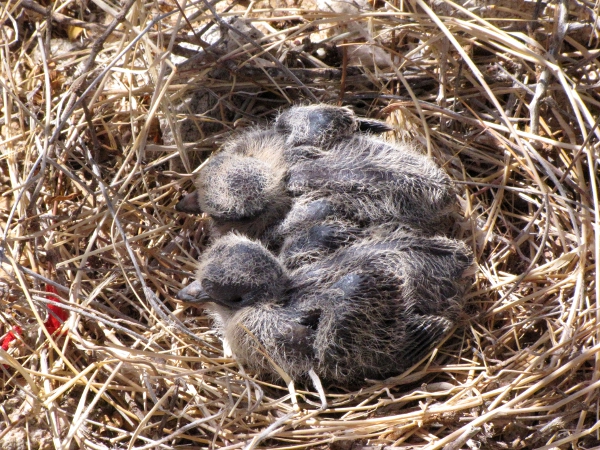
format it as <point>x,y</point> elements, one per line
<point>106,108</point>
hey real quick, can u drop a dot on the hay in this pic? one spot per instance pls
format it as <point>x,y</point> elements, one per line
<point>507,98</point>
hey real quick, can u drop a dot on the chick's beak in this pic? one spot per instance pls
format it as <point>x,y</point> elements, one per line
<point>189,204</point>
<point>193,293</point>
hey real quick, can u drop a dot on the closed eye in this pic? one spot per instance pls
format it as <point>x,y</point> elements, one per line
<point>311,320</point>
<point>225,293</point>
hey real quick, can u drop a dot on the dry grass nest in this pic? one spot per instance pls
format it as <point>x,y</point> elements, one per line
<point>106,108</point>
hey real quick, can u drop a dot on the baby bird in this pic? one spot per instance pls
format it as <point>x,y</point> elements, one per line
<point>243,187</point>
<point>370,310</point>
<point>372,181</point>
<point>315,153</point>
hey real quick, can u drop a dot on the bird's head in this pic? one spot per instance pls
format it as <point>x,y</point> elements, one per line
<point>236,272</point>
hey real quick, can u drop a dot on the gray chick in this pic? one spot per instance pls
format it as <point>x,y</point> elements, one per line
<point>368,311</point>
<point>299,133</point>
<point>249,186</point>
<point>372,182</point>
<point>242,188</point>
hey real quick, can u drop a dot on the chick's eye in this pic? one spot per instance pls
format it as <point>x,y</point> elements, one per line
<point>229,293</point>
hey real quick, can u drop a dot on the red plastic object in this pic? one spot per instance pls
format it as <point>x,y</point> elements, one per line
<point>11,336</point>
<point>53,323</point>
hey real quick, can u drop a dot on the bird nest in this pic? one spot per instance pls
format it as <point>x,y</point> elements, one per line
<point>106,109</point>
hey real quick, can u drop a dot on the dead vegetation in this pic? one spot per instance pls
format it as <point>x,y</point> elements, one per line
<point>100,127</point>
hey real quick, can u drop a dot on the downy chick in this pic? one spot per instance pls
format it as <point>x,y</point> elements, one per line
<point>242,188</point>
<point>369,310</point>
<point>374,182</point>
<point>249,186</point>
